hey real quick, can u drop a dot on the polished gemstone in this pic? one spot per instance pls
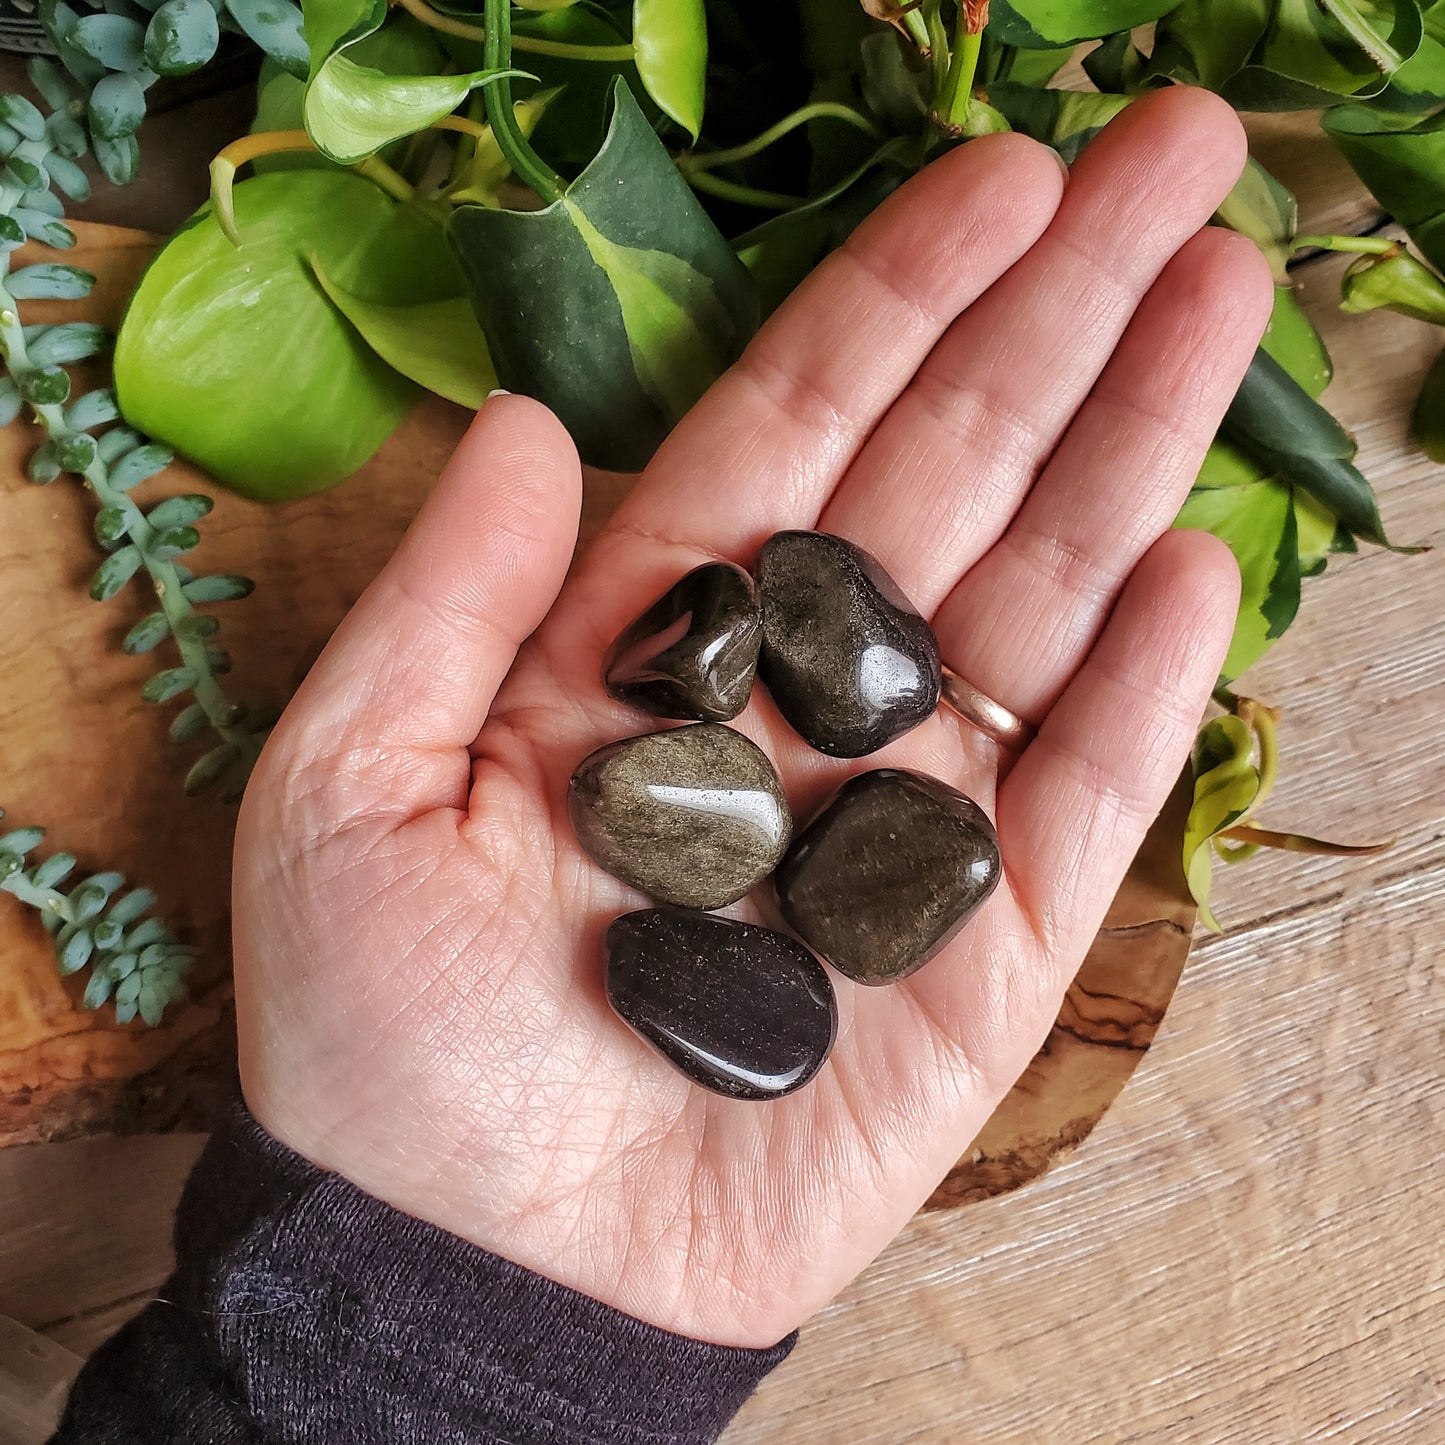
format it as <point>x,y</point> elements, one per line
<point>694,816</point>
<point>694,652</point>
<point>888,873</point>
<point>848,660</point>
<point>739,1009</point>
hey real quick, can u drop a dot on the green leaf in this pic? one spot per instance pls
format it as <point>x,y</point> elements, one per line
<point>179,511</point>
<point>1276,422</point>
<point>438,344</point>
<point>222,587</point>
<point>117,106</point>
<point>1428,421</point>
<point>782,250</point>
<point>50,282</point>
<point>1403,164</point>
<point>140,465</point>
<point>1256,520</point>
<point>669,38</point>
<point>1262,209</point>
<point>1226,783</point>
<point>147,634</point>
<point>1116,64</point>
<point>114,573</point>
<point>60,345</point>
<point>168,684</point>
<point>351,110</point>
<point>119,158</point>
<point>182,37</point>
<point>1398,283</point>
<point>1293,340</point>
<point>644,303</point>
<point>1205,42</point>
<point>277,28</point>
<point>210,768</point>
<point>330,24</point>
<point>1419,84</point>
<point>1067,120</point>
<point>295,400</point>
<point>115,41</point>
<point>1038,24</point>
<point>1315,51</point>
<point>187,725</point>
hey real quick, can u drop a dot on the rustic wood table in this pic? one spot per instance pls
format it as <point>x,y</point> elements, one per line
<point>1247,1248</point>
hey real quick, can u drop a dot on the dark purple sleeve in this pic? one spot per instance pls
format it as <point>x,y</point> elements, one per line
<point>302,1309</point>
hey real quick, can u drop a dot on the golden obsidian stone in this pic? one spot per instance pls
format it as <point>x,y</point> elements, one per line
<point>693,654</point>
<point>888,873</point>
<point>694,816</point>
<point>741,1010</point>
<point>846,657</point>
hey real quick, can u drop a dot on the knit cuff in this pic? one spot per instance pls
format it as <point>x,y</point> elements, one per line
<point>338,1317</point>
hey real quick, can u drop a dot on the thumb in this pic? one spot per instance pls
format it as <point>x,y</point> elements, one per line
<point>404,685</point>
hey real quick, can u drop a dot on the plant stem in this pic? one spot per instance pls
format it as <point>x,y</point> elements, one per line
<point>1361,245</point>
<point>528,44</point>
<point>223,715</point>
<point>1386,58</point>
<point>819,110</point>
<point>528,165</point>
<point>950,106</point>
<point>376,170</point>
<point>745,195</point>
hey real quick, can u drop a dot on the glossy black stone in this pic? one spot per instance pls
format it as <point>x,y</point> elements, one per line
<point>846,657</point>
<point>888,873</point>
<point>694,652</point>
<point>739,1009</point>
<point>694,816</point>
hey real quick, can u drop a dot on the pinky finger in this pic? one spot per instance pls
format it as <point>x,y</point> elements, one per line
<point>1074,811</point>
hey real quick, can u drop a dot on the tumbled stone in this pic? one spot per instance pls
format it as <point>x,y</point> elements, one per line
<point>846,657</point>
<point>694,816</point>
<point>694,652</point>
<point>888,873</point>
<point>741,1010</point>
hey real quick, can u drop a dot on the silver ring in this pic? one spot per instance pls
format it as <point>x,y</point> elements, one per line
<point>979,710</point>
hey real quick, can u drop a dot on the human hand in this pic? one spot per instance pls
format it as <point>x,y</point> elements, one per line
<point>1001,394</point>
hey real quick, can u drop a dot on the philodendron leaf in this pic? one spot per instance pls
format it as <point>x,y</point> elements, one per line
<point>618,304</point>
<point>1039,24</point>
<point>1226,784</point>
<point>294,399</point>
<point>1262,209</point>
<point>1205,42</point>
<point>1065,119</point>
<point>1315,51</point>
<point>1403,164</point>
<point>351,111</point>
<point>330,24</point>
<point>669,42</point>
<point>1428,421</point>
<point>1256,520</point>
<point>438,344</point>
<point>1274,420</point>
<point>1293,340</point>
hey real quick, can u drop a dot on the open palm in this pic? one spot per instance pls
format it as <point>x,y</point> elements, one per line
<point>1004,396</point>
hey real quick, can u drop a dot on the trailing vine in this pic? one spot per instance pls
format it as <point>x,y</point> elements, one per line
<point>135,961</point>
<point>111,464</point>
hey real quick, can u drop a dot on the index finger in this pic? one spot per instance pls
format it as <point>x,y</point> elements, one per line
<point>769,441</point>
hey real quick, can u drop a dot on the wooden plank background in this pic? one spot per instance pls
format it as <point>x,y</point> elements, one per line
<point>1247,1248</point>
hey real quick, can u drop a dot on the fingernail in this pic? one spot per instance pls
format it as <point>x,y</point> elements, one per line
<point>498,391</point>
<point>1063,164</point>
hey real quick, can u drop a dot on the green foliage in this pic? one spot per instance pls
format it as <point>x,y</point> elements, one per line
<point>328,399</point>
<point>135,962</point>
<point>648,302</point>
